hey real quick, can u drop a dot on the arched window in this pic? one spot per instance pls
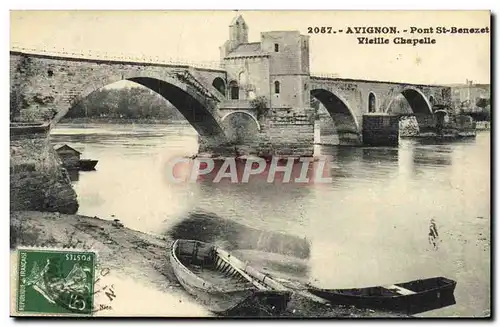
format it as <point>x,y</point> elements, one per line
<point>277,87</point>
<point>219,85</point>
<point>372,103</point>
<point>276,47</point>
<point>234,90</point>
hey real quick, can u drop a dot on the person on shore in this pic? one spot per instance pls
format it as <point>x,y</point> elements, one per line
<point>433,234</point>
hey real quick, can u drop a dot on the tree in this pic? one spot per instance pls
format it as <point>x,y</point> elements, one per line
<point>135,103</point>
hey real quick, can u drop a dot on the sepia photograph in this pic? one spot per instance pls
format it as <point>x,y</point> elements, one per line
<point>250,164</point>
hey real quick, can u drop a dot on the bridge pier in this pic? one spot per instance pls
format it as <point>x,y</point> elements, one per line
<point>380,129</point>
<point>281,133</point>
<point>288,132</point>
<point>278,132</point>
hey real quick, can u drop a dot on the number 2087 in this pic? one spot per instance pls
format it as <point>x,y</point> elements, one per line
<point>320,30</point>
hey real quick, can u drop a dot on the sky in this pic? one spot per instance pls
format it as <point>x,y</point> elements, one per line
<point>195,36</point>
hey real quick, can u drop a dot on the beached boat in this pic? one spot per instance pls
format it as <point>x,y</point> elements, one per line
<point>87,164</point>
<point>410,298</point>
<point>217,280</point>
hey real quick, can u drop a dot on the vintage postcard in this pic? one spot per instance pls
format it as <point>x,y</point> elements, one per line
<point>298,164</point>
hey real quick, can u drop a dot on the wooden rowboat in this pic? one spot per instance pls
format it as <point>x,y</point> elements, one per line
<point>211,275</point>
<point>410,298</point>
<point>87,164</point>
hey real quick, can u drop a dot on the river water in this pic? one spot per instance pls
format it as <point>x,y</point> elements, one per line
<point>368,226</point>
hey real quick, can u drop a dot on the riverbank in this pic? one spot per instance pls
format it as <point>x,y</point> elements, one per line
<point>141,258</point>
<point>121,121</point>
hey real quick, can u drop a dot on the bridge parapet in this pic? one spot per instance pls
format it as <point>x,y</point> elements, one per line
<point>315,75</point>
<point>205,84</point>
<point>187,77</point>
<point>121,57</point>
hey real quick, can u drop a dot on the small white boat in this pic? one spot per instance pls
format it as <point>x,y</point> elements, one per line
<point>220,283</point>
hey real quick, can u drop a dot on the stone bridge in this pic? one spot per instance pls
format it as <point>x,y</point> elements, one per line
<point>347,101</point>
<point>44,88</point>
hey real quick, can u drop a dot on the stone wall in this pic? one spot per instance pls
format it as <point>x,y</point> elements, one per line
<point>251,74</point>
<point>290,132</point>
<point>38,182</point>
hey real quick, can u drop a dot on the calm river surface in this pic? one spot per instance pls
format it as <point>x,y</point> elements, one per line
<point>368,227</point>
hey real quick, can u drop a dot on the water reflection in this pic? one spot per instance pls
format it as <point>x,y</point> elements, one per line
<point>435,156</point>
<point>361,164</point>
<point>211,228</point>
<point>373,216</point>
<point>281,254</point>
<point>380,156</point>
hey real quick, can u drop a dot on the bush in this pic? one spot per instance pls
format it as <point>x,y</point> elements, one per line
<point>260,106</point>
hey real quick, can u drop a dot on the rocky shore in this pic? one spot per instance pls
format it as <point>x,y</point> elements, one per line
<point>37,179</point>
<point>137,255</point>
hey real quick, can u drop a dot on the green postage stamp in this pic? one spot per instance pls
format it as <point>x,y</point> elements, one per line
<point>55,281</point>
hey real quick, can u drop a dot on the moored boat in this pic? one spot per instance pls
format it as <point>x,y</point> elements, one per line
<point>87,164</point>
<point>208,273</point>
<point>410,298</point>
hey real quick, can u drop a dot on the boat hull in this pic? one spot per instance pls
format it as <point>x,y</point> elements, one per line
<point>244,300</point>
<point>428,294</point>
<point>87,164</point>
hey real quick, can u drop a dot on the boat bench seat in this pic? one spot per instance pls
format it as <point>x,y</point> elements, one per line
<point>400,290</point>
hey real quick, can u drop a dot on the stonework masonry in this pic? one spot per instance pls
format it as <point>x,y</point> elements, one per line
<point>37,180</point>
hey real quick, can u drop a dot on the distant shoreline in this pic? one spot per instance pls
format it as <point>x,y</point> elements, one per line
<point>110,120</point>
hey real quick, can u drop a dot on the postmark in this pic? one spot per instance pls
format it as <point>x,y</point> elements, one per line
<point>104,293</point>
<point>55,281</point>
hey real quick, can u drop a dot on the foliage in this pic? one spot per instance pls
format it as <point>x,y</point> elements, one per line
<point>315,104</point>
<point>260,106</point>
<point>482,102</point>
<point>135,102</point>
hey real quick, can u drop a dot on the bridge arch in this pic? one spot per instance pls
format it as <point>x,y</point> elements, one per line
<point>195,107</point>
<point>219,85</point>
<point>417,100</point>
<point>240,125</point>
<point>421,108</point>
<point>242,112</point>
<point>346,123</point>
<point>337,107</point>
